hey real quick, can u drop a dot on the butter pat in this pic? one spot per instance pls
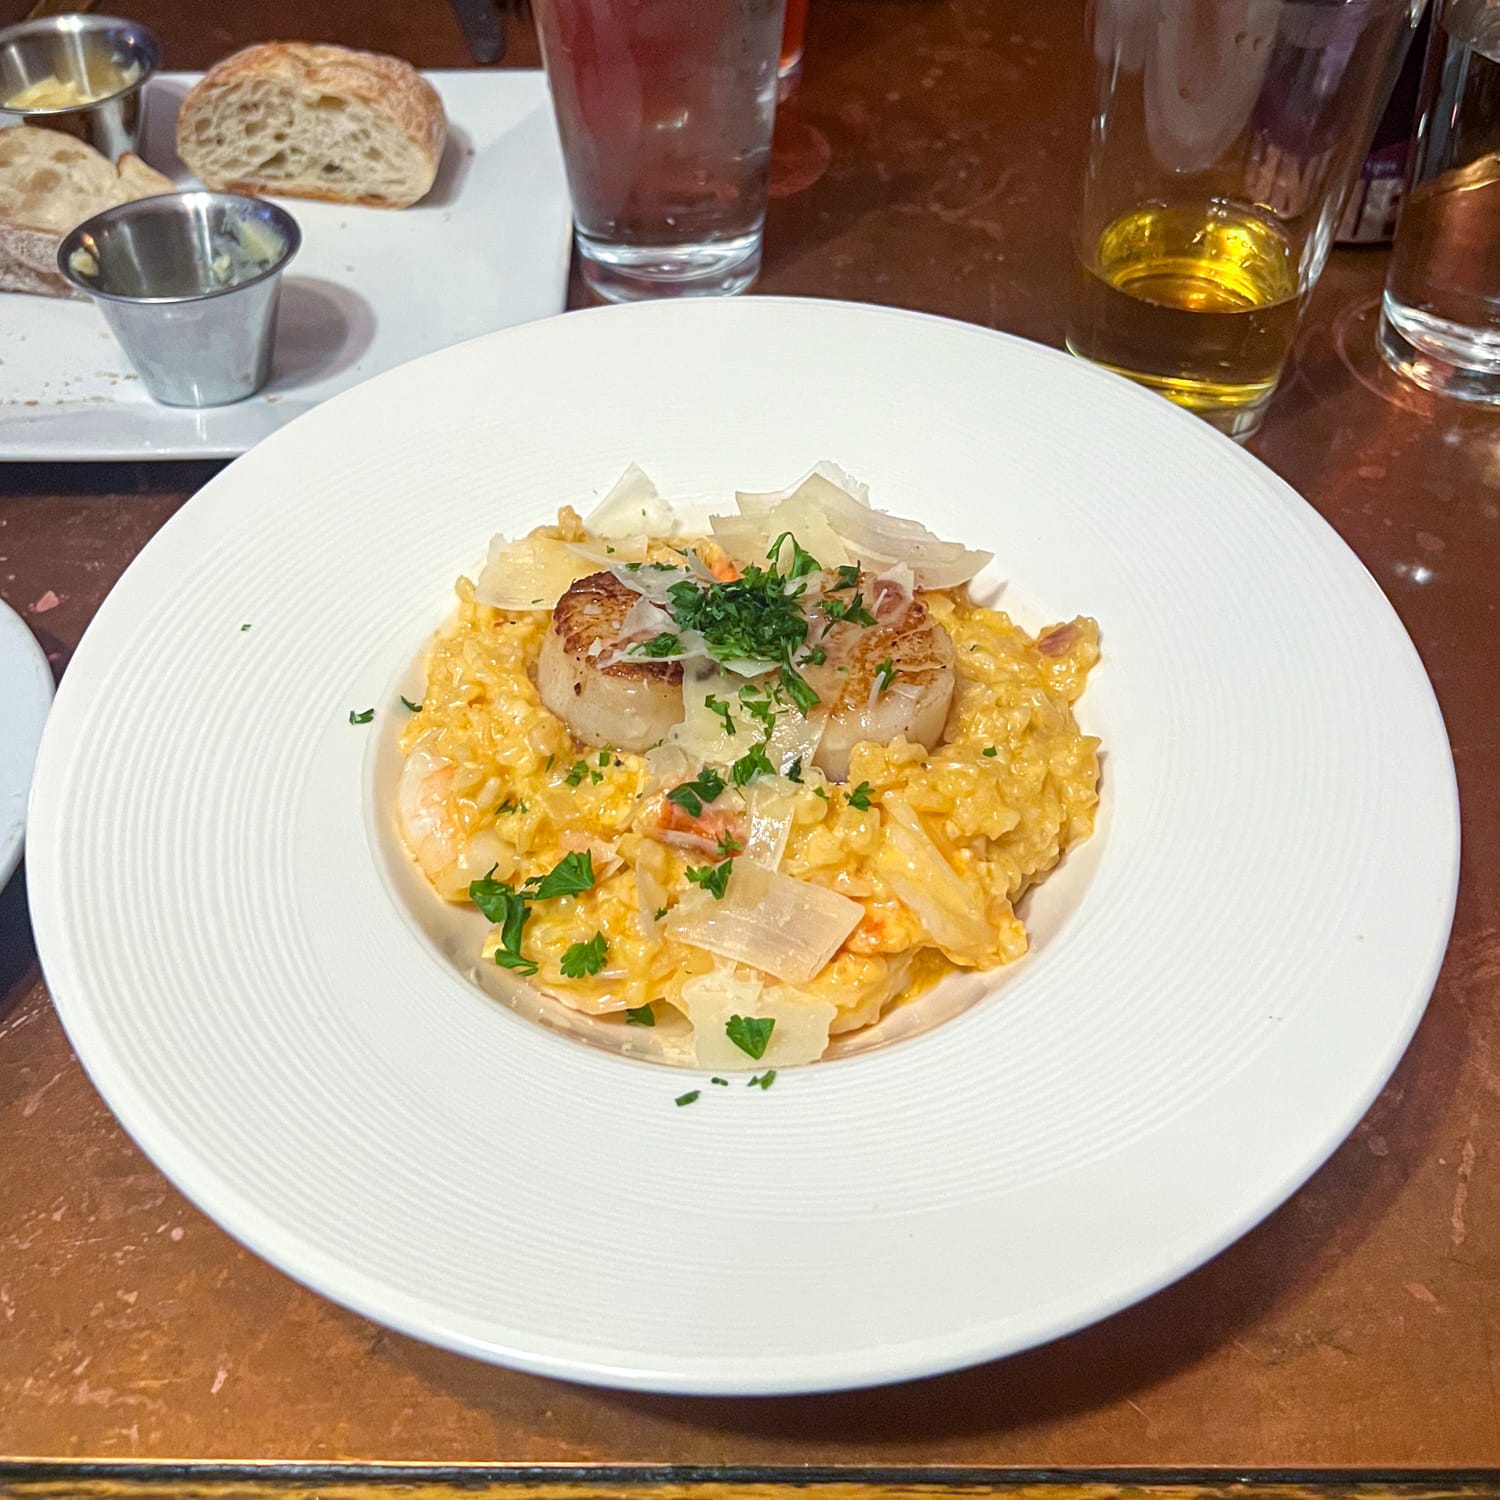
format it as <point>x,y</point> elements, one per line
<point>53,92</point>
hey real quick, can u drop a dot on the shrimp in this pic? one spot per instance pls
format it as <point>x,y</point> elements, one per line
<point>449,855</point>
<point>629,704</point>
<point>422,811</point>
<point>899,682</point>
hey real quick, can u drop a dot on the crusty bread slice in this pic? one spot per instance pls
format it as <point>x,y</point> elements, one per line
<point>313,121</point>
<point>50,182</point>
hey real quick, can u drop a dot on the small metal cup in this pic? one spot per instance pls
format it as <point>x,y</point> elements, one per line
<point>103,56</point>
<point>189,284</point>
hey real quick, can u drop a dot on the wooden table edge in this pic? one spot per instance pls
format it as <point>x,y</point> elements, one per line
<point>87,1479</point>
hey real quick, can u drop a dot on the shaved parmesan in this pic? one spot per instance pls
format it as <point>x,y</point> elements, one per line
<point>800,1034</point>
<point>829,513</point>
<point>911,863</point>
<point>701,735</point>
<point>783,927</point>
<point>772,805</point>
<point>625,549</point>
<point>632,508</point>
<point>533,573</point>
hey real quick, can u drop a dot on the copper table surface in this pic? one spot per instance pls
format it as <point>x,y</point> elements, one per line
<point>928,161</point>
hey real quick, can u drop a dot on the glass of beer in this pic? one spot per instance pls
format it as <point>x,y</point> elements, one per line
<point>1440,319</point>
<point>1224,137</point>
<point>665,109</point>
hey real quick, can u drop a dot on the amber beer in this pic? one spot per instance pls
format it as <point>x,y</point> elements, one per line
<point>1225,135</point>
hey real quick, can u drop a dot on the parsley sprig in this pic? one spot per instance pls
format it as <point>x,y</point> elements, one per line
<point>755,762</point>
<point>757,617</point>
<point>570,876</point>
<point>509,909</point>
<point>665,644</point>
<point>854,611</point>
<point>750,1034</point>
<point>582,959</point>
<point>692,795</point>
<point>713,878</point>
<point>719,706</point>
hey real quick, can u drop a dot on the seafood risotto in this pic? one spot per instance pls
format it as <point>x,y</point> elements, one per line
<point>774,778</point>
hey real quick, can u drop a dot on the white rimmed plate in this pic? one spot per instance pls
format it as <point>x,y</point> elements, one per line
<point>1253,940</point>
<point>26,692</point>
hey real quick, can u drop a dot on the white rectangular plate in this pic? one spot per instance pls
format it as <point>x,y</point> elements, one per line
<point>371,288</point>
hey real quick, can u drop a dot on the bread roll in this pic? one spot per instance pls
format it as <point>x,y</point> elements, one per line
<point>311,121</point>
<point>49,183</point>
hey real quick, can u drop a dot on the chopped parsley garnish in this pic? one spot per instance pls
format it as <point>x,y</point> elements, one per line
<point>640,1015</point>
<point>802,562</point>
<point>798,690</point>
<point>508,960</point>
<point>604,755</point>
<point>794,771</point>
<point>362,718</point>
<point>551,761</point>
<point>609,551</point>
<point>719,706</point>
<point>583,959</point>
<point>661,911</point>
<point>885,674</point>
<point>492,897</point>
<point>814,658</point>
<point>728,844</point>
<point>511,807</point>
<point>854,612</point>
<point>859,798</point>
<point>509,912</point>
<point>848,576</point>
<point>821,791</point>
<point>570,876</point>
<point>757,705</point>
<point>749,618</point>
<point>687,1098</point>
<point>750,1033</point>
<point>763,1080</point>
<point>411,708</point>
<point>244,627</point>
<point>713,878</point>
<point>581,769</point>
<point>755,762</point>
<point>991,750</point>
<point>664,644</point>
<point>691,795</point>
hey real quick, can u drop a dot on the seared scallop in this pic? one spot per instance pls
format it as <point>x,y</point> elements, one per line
<point>899,685</point>
<point>630,703</point>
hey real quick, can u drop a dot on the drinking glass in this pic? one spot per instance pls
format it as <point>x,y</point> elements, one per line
<point>665,108</point>
<point>1440,317</point>
<point>1225,135</point>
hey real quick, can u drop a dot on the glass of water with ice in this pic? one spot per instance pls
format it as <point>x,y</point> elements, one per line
<point>1440,320</point>
<point>665,108</point>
